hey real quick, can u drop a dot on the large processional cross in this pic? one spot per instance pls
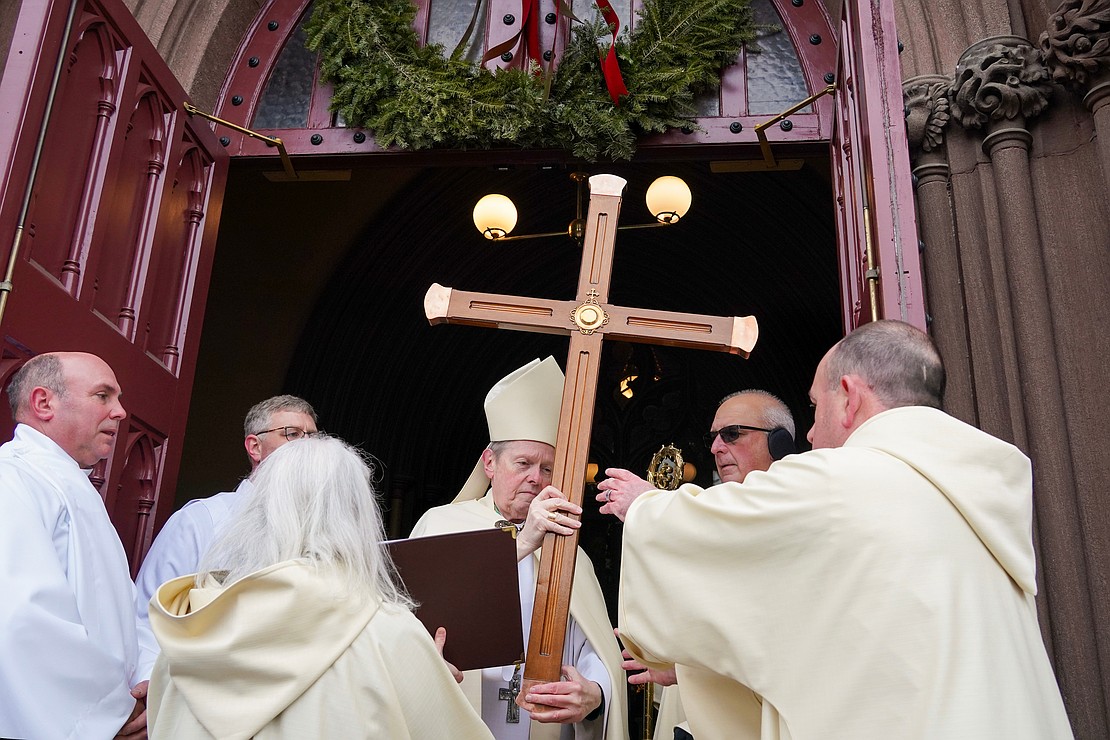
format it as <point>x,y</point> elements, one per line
<point>588,318</point>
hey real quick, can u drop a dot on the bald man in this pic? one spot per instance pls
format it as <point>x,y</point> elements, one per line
<point>68,646</point>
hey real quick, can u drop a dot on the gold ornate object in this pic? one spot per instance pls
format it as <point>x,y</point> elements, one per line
<point>665,471</point>
<point>506,526</point>
<point>590,316</point>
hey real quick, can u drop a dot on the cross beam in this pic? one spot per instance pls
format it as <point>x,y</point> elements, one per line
<point>587,319</point>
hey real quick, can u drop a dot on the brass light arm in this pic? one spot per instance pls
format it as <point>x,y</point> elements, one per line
<point>576,234</point>
<point>287,163</point>
<point>765,145</point>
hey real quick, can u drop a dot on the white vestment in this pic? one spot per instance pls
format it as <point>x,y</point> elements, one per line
<point>68,648</point>
<point>177,551</point>
<point>590,645</point>
<point>883,589</point>
<point>286,652</point>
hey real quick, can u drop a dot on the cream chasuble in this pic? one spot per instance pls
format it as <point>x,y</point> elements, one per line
<point>587,610</point>
<point>880,590</point>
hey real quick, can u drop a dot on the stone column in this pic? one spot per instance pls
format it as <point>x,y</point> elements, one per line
<point>1076,51</point>
<point>1000,84</point>
<point>927,113</point>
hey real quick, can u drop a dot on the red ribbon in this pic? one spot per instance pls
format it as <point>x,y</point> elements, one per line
<point>610,69</point>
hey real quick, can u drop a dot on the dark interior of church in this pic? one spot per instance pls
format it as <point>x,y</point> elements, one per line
<point>318,290</point>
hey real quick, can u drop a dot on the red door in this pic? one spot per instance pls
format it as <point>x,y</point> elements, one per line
<point>109,197</point>
<point>880,268</point>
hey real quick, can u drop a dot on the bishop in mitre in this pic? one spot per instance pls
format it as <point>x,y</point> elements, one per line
<point>510,483</point>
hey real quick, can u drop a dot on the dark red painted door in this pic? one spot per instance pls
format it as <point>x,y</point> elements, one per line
<point>880,269</point>
<point>114,209</point>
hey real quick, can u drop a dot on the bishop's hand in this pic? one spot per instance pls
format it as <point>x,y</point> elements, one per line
<point>565,702</point>
<point>549,512</point>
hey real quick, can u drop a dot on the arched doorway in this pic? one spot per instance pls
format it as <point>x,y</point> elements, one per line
<point>757,243</point>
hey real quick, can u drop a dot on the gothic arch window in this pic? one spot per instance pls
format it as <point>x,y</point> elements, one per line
<point>274,87</point>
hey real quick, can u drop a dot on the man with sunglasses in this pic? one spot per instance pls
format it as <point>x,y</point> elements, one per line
<point>880,586</point>
<point>751,429</point>
<point>186,535</point>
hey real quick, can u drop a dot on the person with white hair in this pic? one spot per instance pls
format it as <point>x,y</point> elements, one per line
<point>297,624</point>
<point>510,485</point>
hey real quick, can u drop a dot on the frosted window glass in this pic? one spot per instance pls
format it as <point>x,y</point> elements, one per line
<point>775,80</point>
<point>447,22</point>
<point>587,11</point>
<point>288,94</point>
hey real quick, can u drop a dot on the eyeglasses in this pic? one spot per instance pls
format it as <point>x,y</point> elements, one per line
<point>290,433</point>
<point>730,434</point>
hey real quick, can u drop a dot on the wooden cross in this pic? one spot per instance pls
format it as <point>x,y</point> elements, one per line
<point>586,319</point>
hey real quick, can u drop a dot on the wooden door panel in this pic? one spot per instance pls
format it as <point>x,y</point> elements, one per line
<point>880,268</point>
<point>119,234</point>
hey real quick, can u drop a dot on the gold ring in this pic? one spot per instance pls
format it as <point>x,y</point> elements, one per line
<point>552,515</point>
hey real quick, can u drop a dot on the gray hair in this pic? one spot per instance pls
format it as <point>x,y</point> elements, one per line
<point>898,361</point>
<point>499,447</point>
<point>775,413</point>
<point>313,500</point>
<point>258,418</point>
<point>41,371</point>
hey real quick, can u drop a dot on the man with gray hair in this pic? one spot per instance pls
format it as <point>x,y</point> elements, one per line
<point>511,486</point>
<point>880,586</point>
<point>750,430</point>
<point>68,648</point>
<point>187,534</point>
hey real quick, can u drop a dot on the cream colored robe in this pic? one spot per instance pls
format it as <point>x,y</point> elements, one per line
<point>587,606</point>
<point>670,713</point>
<point>278,655</point>
<point>881,590</point>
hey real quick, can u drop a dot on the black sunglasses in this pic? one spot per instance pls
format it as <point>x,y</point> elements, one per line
<point>730,434</point>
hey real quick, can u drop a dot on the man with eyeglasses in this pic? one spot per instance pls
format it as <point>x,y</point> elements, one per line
<point>751,429</point>
<point>177,549</point>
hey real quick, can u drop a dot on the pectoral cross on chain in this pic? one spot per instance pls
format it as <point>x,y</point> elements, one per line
<point>512,711</point>
<point>587,319</point>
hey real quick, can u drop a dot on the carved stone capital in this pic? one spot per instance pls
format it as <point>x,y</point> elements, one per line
<point>997,79</point>
<point>927,111</point>
<point>1076,45</point>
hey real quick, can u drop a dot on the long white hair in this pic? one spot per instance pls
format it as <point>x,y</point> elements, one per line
<point>313,500</point>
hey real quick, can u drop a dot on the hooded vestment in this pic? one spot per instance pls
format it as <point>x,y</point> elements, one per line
<point>283,653</point>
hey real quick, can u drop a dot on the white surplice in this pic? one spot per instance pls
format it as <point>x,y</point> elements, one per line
<point>68,646</point>
<point>177,551</point>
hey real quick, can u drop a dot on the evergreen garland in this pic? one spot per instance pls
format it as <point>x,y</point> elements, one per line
<point>415,97</point>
